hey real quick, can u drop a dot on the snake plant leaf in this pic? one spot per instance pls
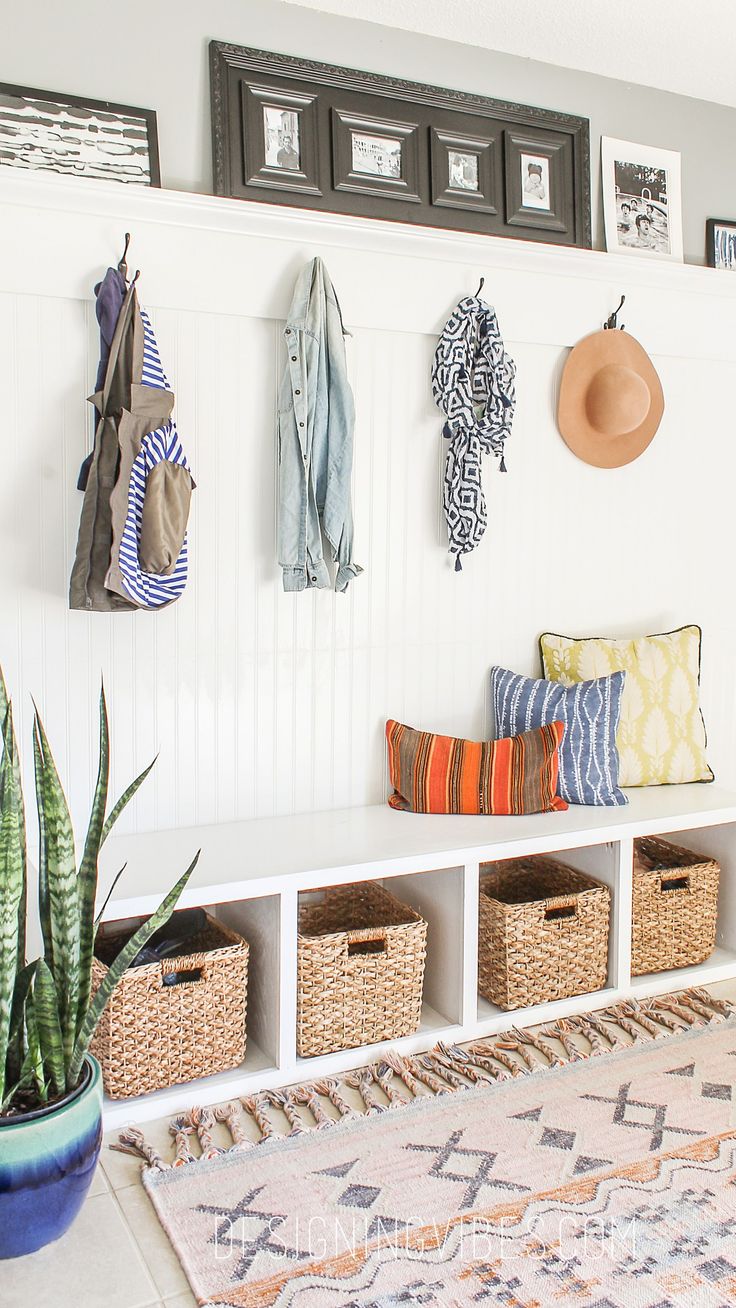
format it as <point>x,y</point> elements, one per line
<point>49,1026</point>
<point>16,1050</point>
<point>118,966</point>
<point>6,717</point>
<point>11,890</point>
<point>44,910</point>
<point>33,1062</point>
<point>108,896</point>
<point>87,880</point>
<point>58,836</point>
<point>124,800</point>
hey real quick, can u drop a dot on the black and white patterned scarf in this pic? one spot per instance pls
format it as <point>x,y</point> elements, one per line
<point>473,385</point>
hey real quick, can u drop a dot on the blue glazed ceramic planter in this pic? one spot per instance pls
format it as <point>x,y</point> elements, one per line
<point>47,1161</point>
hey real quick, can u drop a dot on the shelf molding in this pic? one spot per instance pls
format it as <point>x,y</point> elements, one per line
<point>207,254</point>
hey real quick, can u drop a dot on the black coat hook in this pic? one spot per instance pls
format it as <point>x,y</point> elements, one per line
<point>612,322</point>
<point>122,263</point>
<point>480,287</point>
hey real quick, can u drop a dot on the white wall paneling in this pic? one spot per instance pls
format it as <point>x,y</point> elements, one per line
<point>262,703</point>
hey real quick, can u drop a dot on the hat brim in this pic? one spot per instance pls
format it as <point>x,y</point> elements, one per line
<point>586,441</point>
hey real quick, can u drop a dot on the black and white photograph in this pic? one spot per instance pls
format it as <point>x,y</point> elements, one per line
<point>50,132</point>
<point>642,199</point>
<point>463,170</point>
<point>378,156</point>
<point>281,137</point>
<point>721,243</point>
<point>535,181</point>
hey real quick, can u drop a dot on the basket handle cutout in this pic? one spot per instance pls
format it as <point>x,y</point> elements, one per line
<point>187,976</point>
<point>562,910</point>
<point>366,947</point>
<point>675,883</point>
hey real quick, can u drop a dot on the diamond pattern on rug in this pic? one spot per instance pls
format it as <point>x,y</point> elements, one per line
<point>687,1070</point>
<point>586,1164</point>
<point>713,1090</point>
<point>656,1126</point>
<point>359,1196</point>
<point>475,1180</point>
<point>341,1169</point>
<point>553,1137</point>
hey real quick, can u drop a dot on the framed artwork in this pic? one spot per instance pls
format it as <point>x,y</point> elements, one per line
<point>47,131</point>
<point>642,205</point>
<point>537,180</point>
<point>720,243</point>
<point>293,131</point>
<point>375,156</point>
<point>279,131</point>
<point>463,170</point>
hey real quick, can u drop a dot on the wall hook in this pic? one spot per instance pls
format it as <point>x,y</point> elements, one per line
<point>122,264</point>
<point>480,287</point>
<point>612,322</point>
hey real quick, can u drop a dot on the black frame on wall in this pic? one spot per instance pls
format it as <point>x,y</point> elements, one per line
<point>297,132</point>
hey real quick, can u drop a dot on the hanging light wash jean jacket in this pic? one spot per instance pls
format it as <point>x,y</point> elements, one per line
<point>315,437</point>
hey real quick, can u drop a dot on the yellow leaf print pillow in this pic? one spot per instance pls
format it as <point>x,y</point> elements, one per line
<point>661,734</point>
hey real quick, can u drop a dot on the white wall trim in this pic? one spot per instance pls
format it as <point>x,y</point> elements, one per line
<point>205,252</point>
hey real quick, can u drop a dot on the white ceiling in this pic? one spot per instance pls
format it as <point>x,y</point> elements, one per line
<point>686,46</point>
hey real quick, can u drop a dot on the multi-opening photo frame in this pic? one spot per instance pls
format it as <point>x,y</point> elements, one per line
<point>295,132</point>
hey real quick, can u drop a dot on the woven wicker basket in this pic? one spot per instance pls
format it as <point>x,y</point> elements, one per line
<point>675,906</point>
<point>543,932</point>
<point>154,1034</point>
<point>360,969</point>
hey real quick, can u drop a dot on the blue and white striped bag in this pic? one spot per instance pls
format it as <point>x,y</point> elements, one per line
<point>152,554</point>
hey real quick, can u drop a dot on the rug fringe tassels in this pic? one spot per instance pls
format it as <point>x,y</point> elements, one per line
<point>397,1079</point>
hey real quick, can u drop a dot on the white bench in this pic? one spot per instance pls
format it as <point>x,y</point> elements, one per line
<point>251,873</point>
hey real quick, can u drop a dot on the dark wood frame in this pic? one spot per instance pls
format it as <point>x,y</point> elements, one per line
<point>103,106</point>
<point>443,193</point>
<point>429,120</point>
<point>550,147</point>
<point>710,238</point>
<point>346,178</point>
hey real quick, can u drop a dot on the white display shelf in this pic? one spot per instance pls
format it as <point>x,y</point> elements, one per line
<point>252,873</point>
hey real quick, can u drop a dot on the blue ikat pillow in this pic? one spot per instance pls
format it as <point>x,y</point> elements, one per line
<point>590,711</point>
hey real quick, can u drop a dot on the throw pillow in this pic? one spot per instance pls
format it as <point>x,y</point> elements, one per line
<point>590,711</point>
<point>440,774</point>
<point>661,734</point>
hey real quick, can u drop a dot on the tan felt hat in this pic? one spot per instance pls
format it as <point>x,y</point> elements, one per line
<point>611,400</point>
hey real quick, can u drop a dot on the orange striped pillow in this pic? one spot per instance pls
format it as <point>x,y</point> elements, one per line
<point>440,774</point>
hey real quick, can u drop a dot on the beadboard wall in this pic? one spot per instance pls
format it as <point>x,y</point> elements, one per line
<point>262,703</point>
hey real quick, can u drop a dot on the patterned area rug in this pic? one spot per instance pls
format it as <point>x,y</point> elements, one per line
<point>592,1164</point>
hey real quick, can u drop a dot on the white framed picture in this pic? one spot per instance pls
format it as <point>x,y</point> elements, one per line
<point>642,204</point>
<point>379,156</point>
<point>534,181</point>
<point>281,137</point>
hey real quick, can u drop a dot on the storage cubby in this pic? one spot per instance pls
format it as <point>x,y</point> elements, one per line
<point>718,842</point>
<point>431,863</point>
<point>439,897</point>
<point>258,922</point>
<point>602,863</point>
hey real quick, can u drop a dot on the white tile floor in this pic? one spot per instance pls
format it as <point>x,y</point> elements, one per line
<point>116,1254</point>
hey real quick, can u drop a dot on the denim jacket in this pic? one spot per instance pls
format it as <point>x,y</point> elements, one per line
<point>315,439</point>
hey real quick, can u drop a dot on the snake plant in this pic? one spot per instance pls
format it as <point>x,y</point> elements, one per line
<point>48,1013</point>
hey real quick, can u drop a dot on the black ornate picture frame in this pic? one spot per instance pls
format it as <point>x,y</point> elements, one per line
<point>295,132</point>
